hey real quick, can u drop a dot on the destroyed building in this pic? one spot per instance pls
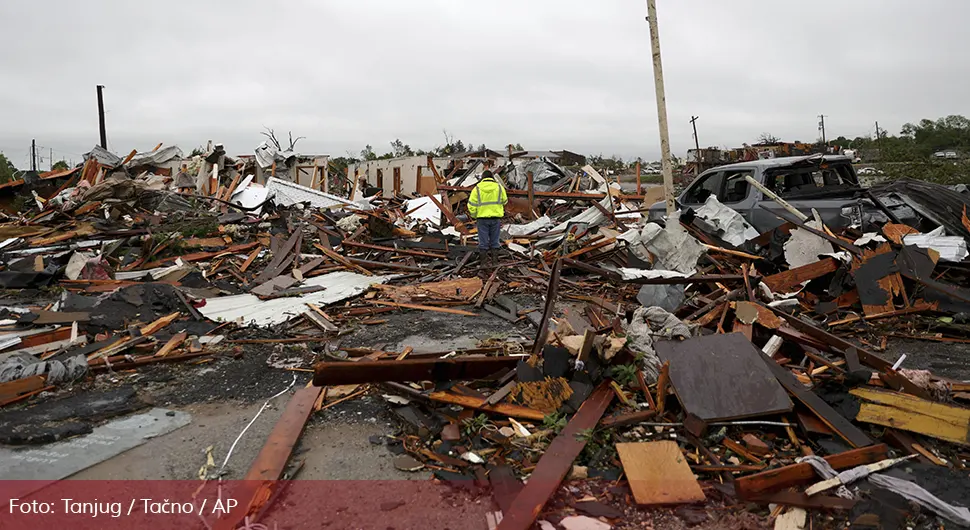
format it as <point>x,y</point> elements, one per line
<point>611,371</point>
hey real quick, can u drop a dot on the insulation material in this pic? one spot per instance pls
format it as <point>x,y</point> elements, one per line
<point>804,247</point>
<point>250,310</point>
<point>731,225</point>
<point>951,248</point>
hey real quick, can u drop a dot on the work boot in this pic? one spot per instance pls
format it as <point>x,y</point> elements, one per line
<point>483,259</point>
<point>493,256</point>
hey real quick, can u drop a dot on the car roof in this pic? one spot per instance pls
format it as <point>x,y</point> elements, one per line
<point>768,163</point>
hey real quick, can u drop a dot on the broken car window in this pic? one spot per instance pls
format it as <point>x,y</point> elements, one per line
<point>735,187</point>
<point>703,188</point>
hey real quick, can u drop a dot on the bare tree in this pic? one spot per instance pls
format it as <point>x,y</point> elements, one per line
<point>768,138</point>
<point>271,134</point>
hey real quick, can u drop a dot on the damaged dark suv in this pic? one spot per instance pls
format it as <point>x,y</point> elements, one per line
<point>827,184</point>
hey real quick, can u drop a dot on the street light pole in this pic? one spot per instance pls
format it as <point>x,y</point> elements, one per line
<point>658,75</point>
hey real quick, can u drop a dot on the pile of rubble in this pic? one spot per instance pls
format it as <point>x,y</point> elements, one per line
<point>686,361</point>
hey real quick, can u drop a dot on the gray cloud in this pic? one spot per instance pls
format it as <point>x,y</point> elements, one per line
<point>548,74</point>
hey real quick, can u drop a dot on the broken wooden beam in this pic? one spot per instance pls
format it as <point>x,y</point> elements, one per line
<point>753,486</point>
<point>424,308</point>
<point>343,373</point>
<point>556,462</point>
<point>268,467</point>
<point>551,194</point>
<point>477,403</point>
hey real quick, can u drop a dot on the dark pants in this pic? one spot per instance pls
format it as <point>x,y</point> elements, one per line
<point>488,230</point>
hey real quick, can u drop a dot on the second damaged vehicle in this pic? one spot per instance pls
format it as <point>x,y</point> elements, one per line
<point>826,184</point>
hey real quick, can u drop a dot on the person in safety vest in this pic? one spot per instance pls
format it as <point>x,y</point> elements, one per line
<point>487,206</point>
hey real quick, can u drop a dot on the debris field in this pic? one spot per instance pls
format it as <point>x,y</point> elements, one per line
<point>668,372</point>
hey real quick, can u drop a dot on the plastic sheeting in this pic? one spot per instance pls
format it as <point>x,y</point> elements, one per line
<point>730,224</point>
<point>544,174</point>
<point>804,247</point>
<point>250,310</point>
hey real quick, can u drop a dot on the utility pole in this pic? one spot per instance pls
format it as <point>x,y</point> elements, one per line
<point>697,147</point>
<point>50,161</point>
<point>104,135</point>
<point>877,131</point>
<point>821,126</point>
<point>33,155</point>
<point>658,74</point>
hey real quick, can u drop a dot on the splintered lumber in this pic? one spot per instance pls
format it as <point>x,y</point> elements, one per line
<point>342,260</point>
<point>916,308</point>
<point>791,280</point>
<point>800,500</point>
<point>550,194</point>
<point>828,340</point>
<point>753,486</point>
<point>719,378</point>
<point>425,308</point>
<point>910,413</point>
<point>556,462</point>
<point>159,324</point>
<point>827,414</point>
<point>268,467</point>
<point>172,343</point>
<point>342,373</point>
<point>406,252</point>
<point>477,403</point>
<point>628,419</point>
<point>658,473</point>
<point>551,294</point>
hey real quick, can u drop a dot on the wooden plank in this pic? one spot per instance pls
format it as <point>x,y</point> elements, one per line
<point>556,462</point>
<point>13,390</point>
<point>504,409</point>
<point>59,317</point>
<point>800,500</point>
<point>916,308</point>
<point>827,414</point>
<point>658,473</point>
<point>739,450</point>
<point>752,486</point>
<point>342,260</point>
<point>425,308</point>
<point>719,378</point>
<point>910,413</point>
<point>328,373</point>
<point>551,293</point>
<point>268,467</point>
<point>161,323</point>
<point>172,343</point>
<point>790,280</point>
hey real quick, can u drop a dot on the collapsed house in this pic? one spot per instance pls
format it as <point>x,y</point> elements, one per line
<point>649,365</point>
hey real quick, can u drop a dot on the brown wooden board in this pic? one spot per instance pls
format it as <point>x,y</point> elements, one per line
<point>658,473</point>
<point>720,377</point>
<point>835,421</point>
<point>790,280</point>
<point>752,486</point>
<point>556,462</point>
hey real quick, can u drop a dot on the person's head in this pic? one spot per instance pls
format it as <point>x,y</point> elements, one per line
<point>486,174</point>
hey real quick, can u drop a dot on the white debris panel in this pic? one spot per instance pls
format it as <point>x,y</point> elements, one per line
<point>951,248</point>
<point>731,225</point>
<point>285,193</point>
<point>250,310</point>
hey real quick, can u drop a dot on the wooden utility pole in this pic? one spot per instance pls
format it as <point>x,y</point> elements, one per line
<point>33,155</point>
<point>104,134</point>
<point>877,131</point>
<point>658,74</point>
<point>697,147</point>
<point>821,126</point>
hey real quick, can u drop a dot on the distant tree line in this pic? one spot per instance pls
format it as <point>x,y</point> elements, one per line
<point>915,141</point>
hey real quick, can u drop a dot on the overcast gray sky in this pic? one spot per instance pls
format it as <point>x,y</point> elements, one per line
<point>549,74</point>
